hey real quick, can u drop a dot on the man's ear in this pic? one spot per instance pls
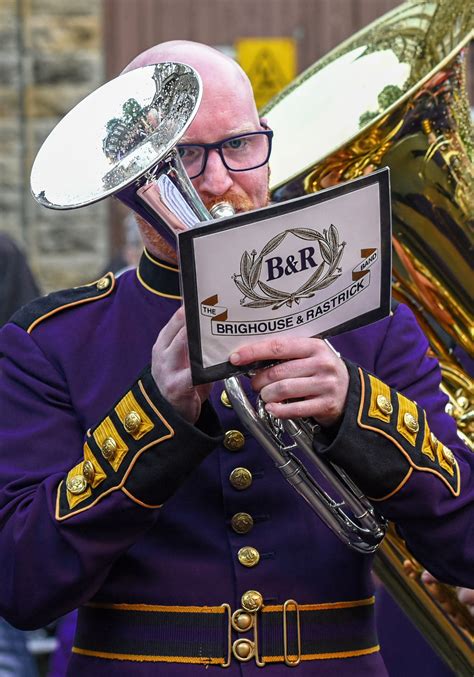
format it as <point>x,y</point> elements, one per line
<point>264,123</point>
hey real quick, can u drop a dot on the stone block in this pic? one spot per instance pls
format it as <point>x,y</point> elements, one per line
<point>71,233</point>
<point>56,101</point>
<point>8,29</point>
<point>9,136</point>
<point>65,272</point>
<point>55,34</point>
<point>11,225</point>
<point>68,69</point>
<point>9,102</point>
<point>9,72</point>
<point>10,174</point>
<point>66,8</point>
<point>41,128</point>
<point>54,273</point>
<point>10,203</point>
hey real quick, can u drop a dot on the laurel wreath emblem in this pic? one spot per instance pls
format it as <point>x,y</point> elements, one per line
<point>326,273</point>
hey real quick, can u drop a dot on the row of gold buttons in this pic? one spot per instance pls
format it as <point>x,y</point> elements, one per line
<point>413,426</point>
<point>386,407</point>
<point>242,522</point>
<point>241,479</point>
<point>131,423</point>
<point>78,483</point>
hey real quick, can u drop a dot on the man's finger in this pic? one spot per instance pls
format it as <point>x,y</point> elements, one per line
<point>171,329</point>
<point>290,389</point>
<point>298,409</point>
<point>177,352</point>
<point>275,349</point>
<point>284,370</point>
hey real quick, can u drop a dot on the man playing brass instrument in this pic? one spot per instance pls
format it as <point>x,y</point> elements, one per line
<point>142,501</point>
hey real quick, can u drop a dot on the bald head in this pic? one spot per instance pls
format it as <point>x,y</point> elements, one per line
<point>196,54</point>
<point>225,85</point>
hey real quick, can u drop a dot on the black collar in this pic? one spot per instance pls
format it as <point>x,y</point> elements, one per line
<point>159,277</point>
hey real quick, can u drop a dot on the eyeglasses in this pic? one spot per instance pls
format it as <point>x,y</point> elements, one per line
<point>238,153</point>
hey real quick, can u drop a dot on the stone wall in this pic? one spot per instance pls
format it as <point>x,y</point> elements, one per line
<point>51,56</point>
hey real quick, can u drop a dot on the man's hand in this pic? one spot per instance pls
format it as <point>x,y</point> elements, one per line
<point>171,371</point>
<point>310,379</point>
<point>464,595</point>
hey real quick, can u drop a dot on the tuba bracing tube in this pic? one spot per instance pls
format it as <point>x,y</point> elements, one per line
<point>395,95</point>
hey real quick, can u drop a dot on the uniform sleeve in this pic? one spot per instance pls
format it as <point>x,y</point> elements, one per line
<point>73,500</point>
<point>401,448</point>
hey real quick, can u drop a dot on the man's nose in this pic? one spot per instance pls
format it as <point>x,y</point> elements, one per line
<point>216,179</point>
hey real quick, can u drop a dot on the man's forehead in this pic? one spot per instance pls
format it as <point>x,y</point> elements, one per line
<point>206,60</point>
<point>212,134</point>
<point>222,113</point>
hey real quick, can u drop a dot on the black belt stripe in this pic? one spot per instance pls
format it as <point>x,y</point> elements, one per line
<point>205,635</point>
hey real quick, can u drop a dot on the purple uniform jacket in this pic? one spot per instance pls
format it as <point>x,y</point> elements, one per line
<point>109,501</point>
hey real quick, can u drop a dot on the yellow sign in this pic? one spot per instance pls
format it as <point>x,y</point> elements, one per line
<point>270,64</point>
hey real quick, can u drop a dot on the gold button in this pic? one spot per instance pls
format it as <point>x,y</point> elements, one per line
<point>252,600</point>
<point>76,484</point>
<point>242,522</point>
<point>225,400</point>
<point>241,620</point>
<point>248,556</point>
<point>108,448</point>
<point>103,283</point>
<point>132,422</point>
<point>88,471</point>
<point>384,404</point>
<point>234,440</point>
<point>243,649</point>
<point>448,455</point>
<point>240,478</point>
<point>411,423</point>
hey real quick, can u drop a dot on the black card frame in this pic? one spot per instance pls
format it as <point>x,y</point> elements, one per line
<point>201,374</point>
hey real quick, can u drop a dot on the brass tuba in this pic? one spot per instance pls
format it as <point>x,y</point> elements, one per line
<point>395,95</point>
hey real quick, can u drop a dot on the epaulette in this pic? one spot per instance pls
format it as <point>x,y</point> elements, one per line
<point>30,316</point>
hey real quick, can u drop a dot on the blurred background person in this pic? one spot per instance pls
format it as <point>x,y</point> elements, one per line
<point>17,284</point>
<point>17,287</point>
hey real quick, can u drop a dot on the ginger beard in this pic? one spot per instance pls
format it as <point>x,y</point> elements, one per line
<point>158,246</point>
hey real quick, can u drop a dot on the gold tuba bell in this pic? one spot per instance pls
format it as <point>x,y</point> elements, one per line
<point>395,95</point>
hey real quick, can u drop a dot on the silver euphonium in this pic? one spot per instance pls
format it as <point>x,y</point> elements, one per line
<point>129,151</point>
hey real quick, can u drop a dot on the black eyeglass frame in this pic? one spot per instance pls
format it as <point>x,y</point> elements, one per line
<point>218,146</point>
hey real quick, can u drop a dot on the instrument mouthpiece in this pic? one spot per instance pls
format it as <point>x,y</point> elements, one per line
<point>221,210</point>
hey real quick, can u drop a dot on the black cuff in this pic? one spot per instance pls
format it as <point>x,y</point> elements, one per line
<point>142,447</point>
<point>383,438</point>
